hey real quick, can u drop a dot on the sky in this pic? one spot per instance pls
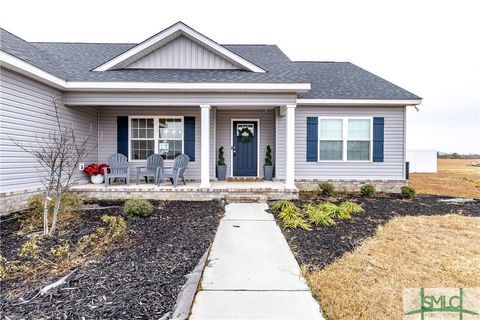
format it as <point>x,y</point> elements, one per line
<point>431,48</point>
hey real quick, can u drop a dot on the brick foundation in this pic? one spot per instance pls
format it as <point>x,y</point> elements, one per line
<point>353,185</point>
<point>16,200</point>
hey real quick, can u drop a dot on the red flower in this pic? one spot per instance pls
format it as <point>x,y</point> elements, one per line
<point>94,169</point>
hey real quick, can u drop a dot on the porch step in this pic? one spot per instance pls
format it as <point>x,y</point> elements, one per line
<point>244,179</point>
<point>245,198</point>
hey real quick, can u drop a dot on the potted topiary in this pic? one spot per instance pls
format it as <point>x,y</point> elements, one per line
<point>221,167</point>
<point>268,167</point>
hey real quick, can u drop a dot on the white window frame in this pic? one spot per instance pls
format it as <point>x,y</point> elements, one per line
<point>345,138</point>
<point>156,134</point>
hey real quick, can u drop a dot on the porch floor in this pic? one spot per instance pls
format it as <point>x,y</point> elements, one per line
<point>234,191</point>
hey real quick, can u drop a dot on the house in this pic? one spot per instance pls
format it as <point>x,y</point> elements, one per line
<point>181,92</point>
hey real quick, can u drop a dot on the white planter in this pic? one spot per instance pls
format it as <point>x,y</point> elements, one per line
<point>97,179</point>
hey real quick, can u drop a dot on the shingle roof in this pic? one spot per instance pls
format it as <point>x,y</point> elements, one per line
<point>329,80</point>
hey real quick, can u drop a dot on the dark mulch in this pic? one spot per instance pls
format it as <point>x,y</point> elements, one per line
<point>322,245</point>
<point>138,281</point>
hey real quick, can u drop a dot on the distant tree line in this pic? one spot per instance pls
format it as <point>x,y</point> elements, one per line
<point>454,155</point>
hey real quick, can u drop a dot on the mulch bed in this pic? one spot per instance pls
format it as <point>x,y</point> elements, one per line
<point>322,245</point>
<point>138,281</point>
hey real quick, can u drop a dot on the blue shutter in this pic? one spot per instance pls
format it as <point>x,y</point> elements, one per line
<point>189,137</point>
<point>378,140</point>
<point>122,135</point>
<point>312,139</point>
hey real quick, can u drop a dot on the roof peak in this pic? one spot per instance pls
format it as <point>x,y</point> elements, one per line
<point>168,35</point>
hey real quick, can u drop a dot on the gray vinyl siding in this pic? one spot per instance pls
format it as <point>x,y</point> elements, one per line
<point>224,133</point>
<point>108,133</point>
<point>182,53</point>
<point>27,112</point>
<point>394,148</point>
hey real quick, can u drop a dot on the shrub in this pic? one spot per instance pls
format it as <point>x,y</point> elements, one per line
<point>221,158</point>
<point>408,192</point>
<point>59,251</point>
<point>117,227</point>
<point>29,249</point>
<point>290,215</point>
<point>351,207</point>
<point>334,211</point>
<point>268,156</point>
<point>70,202</point>
<point>326,188</point>
<point>367,190</point>
<point>282,205</point>
<point>137,208</point>
<point>104,236</point>
<point>3,268</point>
<point>316,216</point>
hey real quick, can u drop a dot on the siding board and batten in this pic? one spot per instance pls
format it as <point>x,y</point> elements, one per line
<point>182,53</point>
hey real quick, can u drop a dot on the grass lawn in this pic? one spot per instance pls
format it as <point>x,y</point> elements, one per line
<point>358,267</point>
<point>407,252</point>
<point>455,177</point>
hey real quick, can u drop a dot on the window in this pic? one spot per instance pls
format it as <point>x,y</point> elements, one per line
<point>161,135</point>
<point>142,138</point>
<point>345,139</point>
<point>331,139</point>
<point>358,144</point>
<point>170,142</point>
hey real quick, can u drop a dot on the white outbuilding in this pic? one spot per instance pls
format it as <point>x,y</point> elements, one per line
<point>422,160</point>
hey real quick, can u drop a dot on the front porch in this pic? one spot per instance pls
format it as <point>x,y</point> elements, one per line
<point>199,131</point>
<point>234,191</point>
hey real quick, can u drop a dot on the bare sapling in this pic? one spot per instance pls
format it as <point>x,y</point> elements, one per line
<point>59,153</point>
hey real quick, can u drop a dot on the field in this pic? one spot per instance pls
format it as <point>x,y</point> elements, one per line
<point>408,252</point>
<point>455,177</point>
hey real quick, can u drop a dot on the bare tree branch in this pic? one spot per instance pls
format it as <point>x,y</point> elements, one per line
<point>58,153</point>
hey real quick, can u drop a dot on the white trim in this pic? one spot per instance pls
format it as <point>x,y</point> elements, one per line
<point>167,35</point>
<point>232,120</point>
<point>361,102</point>
<point>156,136</point>
<point>205,146</point>
<point>185,86</point>
<point>290,146</point>
<point>345,138</point>
<point>18,65</point>
<point>9,61</point>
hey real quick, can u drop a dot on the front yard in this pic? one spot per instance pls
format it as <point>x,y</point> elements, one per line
<point>131,271</point>
<point>358,267</point>
<point>455,177</point>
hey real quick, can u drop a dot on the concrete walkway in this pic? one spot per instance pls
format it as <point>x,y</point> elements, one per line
<point>251,272</point>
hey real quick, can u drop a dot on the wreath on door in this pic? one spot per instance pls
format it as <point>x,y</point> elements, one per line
<point>245,135</point>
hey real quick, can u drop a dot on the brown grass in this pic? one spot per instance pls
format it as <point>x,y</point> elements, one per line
<point>408,252</point>
<point>455,177</point>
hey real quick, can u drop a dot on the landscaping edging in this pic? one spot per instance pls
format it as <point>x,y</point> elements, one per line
<point>185,299</point>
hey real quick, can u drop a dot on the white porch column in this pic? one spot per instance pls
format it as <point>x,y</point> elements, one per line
<point>205,146</point>
<point>290,154</point>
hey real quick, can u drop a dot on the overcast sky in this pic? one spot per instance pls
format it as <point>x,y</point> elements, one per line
<point>431,48</point>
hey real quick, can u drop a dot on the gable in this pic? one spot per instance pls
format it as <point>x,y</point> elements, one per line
<point>217,55</point>
<point>183,53</point>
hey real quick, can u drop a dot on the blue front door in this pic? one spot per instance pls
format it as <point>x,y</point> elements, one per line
<point>245,149</point>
